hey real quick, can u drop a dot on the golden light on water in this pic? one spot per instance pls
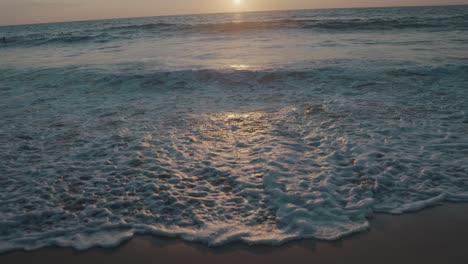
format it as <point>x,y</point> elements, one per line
<point>230,127</point>
<point>240,67</point>
<point>231,135</point>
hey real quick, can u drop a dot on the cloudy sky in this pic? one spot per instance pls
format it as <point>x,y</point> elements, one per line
<point>39,11</point>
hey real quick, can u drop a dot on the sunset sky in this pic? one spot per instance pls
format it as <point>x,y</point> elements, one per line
<point>39,11</point>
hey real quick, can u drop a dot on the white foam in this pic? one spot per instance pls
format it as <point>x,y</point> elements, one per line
<point>312,148</point>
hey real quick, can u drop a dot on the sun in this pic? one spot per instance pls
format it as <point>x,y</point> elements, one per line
<point>237,2</point>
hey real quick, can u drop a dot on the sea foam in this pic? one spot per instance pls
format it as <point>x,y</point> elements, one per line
<point>106,140</point>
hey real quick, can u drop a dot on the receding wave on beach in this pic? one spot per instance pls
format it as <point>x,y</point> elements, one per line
<point>234,136</point>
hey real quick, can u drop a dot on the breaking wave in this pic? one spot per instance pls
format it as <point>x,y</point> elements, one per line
<point>164,29</point>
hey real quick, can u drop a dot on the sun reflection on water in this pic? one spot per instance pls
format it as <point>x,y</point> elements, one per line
<point>240,67</point>
<point>233,134</point>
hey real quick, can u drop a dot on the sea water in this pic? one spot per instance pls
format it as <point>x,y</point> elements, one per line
<point>257,127</point>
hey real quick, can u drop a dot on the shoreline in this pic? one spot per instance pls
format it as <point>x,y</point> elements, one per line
<point>434,235</point>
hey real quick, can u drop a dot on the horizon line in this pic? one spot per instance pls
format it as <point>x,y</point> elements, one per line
<point>220,13</point>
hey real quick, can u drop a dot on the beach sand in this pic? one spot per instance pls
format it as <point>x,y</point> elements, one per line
<point>436,235</point>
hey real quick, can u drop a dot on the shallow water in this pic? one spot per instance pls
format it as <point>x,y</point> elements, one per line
<point>260,127</point>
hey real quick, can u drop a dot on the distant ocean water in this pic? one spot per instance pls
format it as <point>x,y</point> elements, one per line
<point>257,127</point>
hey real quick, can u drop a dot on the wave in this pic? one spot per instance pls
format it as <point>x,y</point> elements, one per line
<point>161,29</point>
<point>343,24</point>
<point>33,40</point>
<point>124,74</point>
<point>93,154</point>
<point>325,24</point>
<point>149,26</point>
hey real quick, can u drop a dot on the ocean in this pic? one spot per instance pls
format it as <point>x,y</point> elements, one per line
<point>260,127</point>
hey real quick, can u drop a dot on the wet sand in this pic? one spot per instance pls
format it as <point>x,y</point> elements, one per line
<point>435,235</point>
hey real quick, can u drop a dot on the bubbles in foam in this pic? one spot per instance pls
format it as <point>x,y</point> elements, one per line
<point>265,150</point>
